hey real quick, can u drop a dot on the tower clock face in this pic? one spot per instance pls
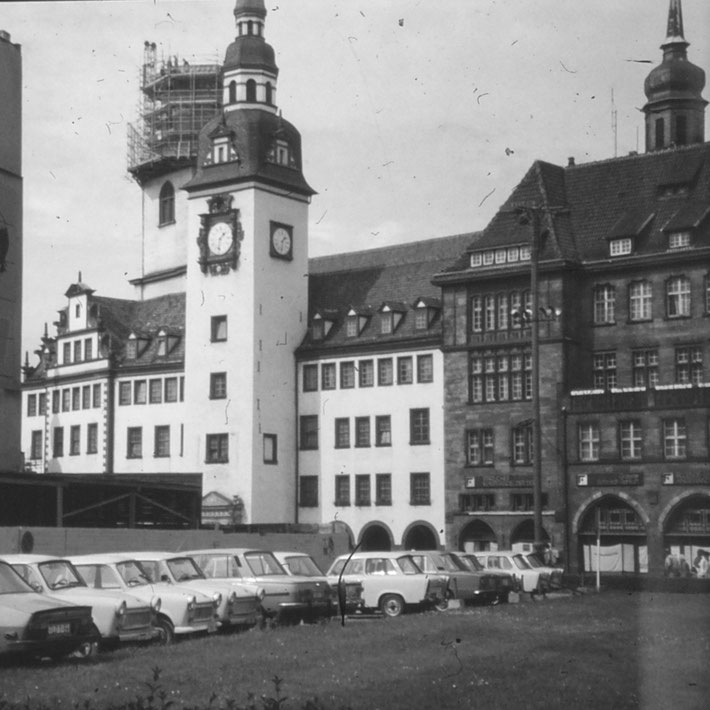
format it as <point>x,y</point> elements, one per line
<point>220,238</point>
<point>281,241</point>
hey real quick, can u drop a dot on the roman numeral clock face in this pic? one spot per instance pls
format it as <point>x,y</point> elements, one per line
<point>281,241</point>
<point>220,238</point>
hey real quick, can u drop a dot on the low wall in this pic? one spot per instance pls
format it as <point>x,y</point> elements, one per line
<point>323,546</point>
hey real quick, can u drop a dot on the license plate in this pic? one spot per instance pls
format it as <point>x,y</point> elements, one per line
<point>58,629</point>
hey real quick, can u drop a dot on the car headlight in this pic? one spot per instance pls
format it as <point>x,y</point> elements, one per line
<point>233,598</point>
<point>155,604</point>
<point>191,603</point>
<point>216,599</point>
<point>121,609</point>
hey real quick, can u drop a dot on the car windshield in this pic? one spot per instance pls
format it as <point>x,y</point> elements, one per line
<point>408,565</point>
<point>303,566</point>
<point>218,566</point>
<point>60,574</point>
<point>520,562</point>
<point>100,576</point>
<point>533,561</point>
<point>184,569</point>
<point>132,573</point>
<point>473,562</point>
<point>263,564</point>
<point>453,563</point>
<point>11,582</point>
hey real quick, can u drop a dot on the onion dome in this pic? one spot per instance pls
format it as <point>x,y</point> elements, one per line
<point>250,50</point>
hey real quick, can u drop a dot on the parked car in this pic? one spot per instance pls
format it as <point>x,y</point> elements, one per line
<point>287,597</point>
<point>530,580</point>
<point>391,581</point>
<point>301,564</point>
<point>238,605</point>
<point>179,611</point>
<point>33,625</point>
<point>120,617</point>
<point>554,572</point>
<point>465,584</point>
<point>508,583</point>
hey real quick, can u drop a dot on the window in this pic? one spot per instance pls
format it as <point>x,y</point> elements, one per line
<point>366,373</point>
<point>620,247</point>
<point>342,433</point>
<point>66,353</point>
<point>92,438</point>
<point>74,440</point>
<point>86,397</point>
<point>271,448</point>
<point>489,312</point>
<point>42,404</point>
<point>233,86</point>
<point>96,395</point>
<point>58,442</point>
<point>217,448</point>
<point>77,351</point>
<point>309,432</point>
<point>425,368</point>
<point>134,445</point>
<point>473,502</point>
<point>342,490</point>
<point>644,367</point>
<point>171,389</point>
<point>182,389</point>
<point>362,431</point>
<point>88,349</point>
<point>386,323</point>
<point>421,318</point>
<point>383,489</point>
<point>630,440</point>
<point>679,240</point>
<point>308,491</point>
<point>139,392</point>
<point>362,489</point>
<point>477,314</point>
<point>418,426</point>
<point>640,301</point>
<point>589,442</point>
<point>347,375</point>
<point>500,376</point>
<point>604,304</point>
<point>328,381</point>
<point>604,370</point>
<point>251,90</point>
<point>351,326</point>
<point>218,385</point>
<point>383,430</point>
<point>76,398</point>
<point>161,447</point>
<point>525,501</point>
<point>385,373</point>
<point>674,439</point>
<point>55,402</point>
<point>689,365</point>
<point>218,329</point>
<point>166,204</point>
<point>36,445</point>
<point>660,133</point>
<point>405,370</point>
<point>32,405</point>
<point>124,393</point>
<point>66,400</point>
<point>522,441</point>
<point>155,391</point>
<point>503,311</point>
<point>479,447</point>
<point>678,297</point>
<point>310,378</point>
<point>419,489</point>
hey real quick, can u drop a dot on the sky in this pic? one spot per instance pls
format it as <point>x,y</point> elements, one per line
<point>417,117</point>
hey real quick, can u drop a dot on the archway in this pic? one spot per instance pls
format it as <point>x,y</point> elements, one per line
<point>686,530</point>
<point>621,531</point>
<point>375,537</point>
<point>420,536</point>
<point>477,536</point>
<point>522,539</point>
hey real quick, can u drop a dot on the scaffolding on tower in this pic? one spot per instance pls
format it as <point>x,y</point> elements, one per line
<point>177,99</point>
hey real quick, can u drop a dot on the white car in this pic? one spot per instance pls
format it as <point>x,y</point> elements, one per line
<point>391,581</point>
<point>529,579</point>
<point>179,611</point>
<point>119,616</point>
<point>555,573</point>
<point>238,605</point>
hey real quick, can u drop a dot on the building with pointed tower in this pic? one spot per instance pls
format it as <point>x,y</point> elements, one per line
<point>598,277</point>
<point>10,251</point>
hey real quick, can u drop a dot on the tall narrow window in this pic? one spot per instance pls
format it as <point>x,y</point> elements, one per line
<point>418,426</point>
<point>309,432</point>
<point>166,202</point>
<point>232,92</point>
<point>269,93</point>
<point>251,90</point>
<point>689,365</point>
<point>640,301</point>
<point>678,297</point>
<point>218,328</point>
<point>162,441</point>
<point>362,489</point>
<point>630,439</point>
<point>342,433</point>
<point>604,304</point>
<point>383,430</point>
<point>58,442</point>
<point>362,431</point>
<point>383,489</point>
<point>92,438</point>
<point>644,368</point>
<point>419,489</point>
<point>74,440</point>
<point>604,370</point>
<point>660,131</point>
<point>217,448</point>
<point>134,442</point>
<point>674,438</point>
<point>589,442</point>
<point>479,447</point>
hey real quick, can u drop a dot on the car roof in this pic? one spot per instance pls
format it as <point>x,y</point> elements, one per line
<point>369,555</point>
<point>103,557</point>
<point>225,551</point>
<point>27,559</point>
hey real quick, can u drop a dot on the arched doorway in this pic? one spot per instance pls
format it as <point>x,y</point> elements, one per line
<point>686,529</point>
<point>477,536</point>
<point>375,538</point>
<point>522,539</point>
<point>621,532</point>
<point>420,536</point>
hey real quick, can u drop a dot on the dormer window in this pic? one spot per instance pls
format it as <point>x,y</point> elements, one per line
<point>390,318</point>
<point>321,325</point>
<point>507,255</point>
<point>355,322</point>
<point>223,151</point>
<point>620,247</point>
<point>281,153</point>
<point>162,344</point>
<point>425,310</point>
<point>132,348</point>
<point>679,240</point>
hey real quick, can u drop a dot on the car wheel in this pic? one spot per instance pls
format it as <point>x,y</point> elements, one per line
<point>443,603</point>
<point>167,631</point>
<point>88,649</point>
<point>392,605</point>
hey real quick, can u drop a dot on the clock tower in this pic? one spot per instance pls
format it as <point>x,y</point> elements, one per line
<point>247,290</point>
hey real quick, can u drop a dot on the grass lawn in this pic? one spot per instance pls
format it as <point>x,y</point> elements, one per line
<point>613,650</point>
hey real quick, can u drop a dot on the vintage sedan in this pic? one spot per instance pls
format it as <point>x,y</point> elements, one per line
<point>120,617</point>
<point>179,611</point>
<point>33,625</point>
<point>287,597</point>
<point>529,579</point>
<point>391,581</point>
<point>464,584</point>
<point>506,581</point>
<point>554,572</point>
<point>238,605</point>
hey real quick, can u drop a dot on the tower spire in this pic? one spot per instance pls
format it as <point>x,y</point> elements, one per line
<point>675,22</point>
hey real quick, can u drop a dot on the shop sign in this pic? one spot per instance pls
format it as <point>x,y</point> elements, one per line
<point>499,480</point>
<point>609,479</point>
<point>686,478</point>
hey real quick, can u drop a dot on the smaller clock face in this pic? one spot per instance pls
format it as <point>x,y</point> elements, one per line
<point>281,241</point>
<point>220,238</point>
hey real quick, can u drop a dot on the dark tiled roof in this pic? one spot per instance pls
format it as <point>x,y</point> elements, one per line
<point>635,195</point>
<point>366,280</point>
